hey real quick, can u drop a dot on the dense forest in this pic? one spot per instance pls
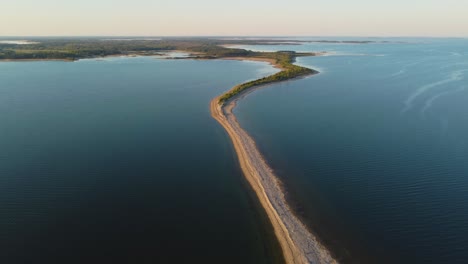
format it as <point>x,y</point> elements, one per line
<point>80,48</point>
<point>77,48</point>
<point>71,49</point>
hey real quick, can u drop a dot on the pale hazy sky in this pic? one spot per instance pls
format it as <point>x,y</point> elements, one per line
<point>234,17</point>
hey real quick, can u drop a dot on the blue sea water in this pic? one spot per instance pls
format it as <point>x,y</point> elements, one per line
<point>374,150</point>
<point>119,161</point>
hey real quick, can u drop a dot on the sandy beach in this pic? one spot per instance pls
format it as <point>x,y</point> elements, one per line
<point>297,243</point>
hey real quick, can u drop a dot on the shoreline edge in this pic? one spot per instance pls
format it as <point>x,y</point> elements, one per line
<point>297,243</point>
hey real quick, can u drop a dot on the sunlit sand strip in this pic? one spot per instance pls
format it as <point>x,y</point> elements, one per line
<point>297,243</point>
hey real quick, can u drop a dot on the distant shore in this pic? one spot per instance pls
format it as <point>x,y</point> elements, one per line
<point>90,58</point>
<point>26,60</point>
<point>297,243</point>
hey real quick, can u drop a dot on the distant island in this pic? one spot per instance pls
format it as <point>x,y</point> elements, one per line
<point>82,48</point>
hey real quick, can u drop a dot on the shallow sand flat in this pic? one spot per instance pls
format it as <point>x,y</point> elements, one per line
<point>297,243</point>
<point>271,61</point>
<point>18,42</point>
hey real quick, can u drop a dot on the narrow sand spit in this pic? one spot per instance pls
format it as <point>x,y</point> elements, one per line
<point>297,243</point>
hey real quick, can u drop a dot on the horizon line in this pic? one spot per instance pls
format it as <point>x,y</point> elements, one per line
<point>227,36</point>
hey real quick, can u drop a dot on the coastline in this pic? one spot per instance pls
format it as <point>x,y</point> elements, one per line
<point>29,60</point>
<point>297,243</point>
<point>90,58</point>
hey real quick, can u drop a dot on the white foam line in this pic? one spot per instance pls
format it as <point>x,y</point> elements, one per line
<point>454,64</point>
<point>336,53</point>
<point>403,70</point>
<point>455,53</point>
<point>454,76</point>
<point>405,67</point>
<point>431,100</point>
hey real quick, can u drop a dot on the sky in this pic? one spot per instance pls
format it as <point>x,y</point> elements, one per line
<point>428,18</point>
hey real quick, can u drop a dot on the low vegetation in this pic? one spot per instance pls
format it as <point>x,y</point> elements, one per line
<point>289,71</point>
<point>71,49</point>
<point>80,48</point>
<point>200,48</point>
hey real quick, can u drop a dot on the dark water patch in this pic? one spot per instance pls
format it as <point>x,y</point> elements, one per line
<point>376,183</point>
<point>119,161</point>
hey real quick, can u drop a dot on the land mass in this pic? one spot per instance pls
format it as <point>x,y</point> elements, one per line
<point>71,49</point>
<point>297,243</point>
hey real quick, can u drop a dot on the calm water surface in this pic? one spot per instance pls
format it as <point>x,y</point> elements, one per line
<point>119,161</point>
<point>374,150</point>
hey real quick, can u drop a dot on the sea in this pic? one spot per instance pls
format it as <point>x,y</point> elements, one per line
<point>118,160</point>
<point>373,151</point>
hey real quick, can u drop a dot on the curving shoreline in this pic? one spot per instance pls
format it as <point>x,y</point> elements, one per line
<point>297,243</point>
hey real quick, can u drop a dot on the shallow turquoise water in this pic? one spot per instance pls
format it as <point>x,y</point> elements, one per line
<point>374,149</point>
<point>119,161</point>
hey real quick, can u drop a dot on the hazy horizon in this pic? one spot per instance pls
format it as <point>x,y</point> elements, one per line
<point>224,36</point>
<point>360,18</point>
